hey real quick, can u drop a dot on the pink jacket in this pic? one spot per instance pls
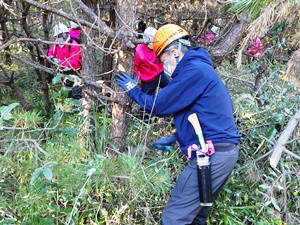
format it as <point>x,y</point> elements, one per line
<point>75,33</point>
<point>69,56</point>
<point>144,67</point>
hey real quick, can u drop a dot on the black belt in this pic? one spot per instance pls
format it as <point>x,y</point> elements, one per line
<point>224,147</point>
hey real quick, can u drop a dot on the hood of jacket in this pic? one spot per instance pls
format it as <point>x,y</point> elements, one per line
<point>198,53</point>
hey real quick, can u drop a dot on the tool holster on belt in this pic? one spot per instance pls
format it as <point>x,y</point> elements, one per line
<point>204,172</point>
<point>204,179</point>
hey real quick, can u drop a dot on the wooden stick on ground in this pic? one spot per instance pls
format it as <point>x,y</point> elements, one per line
<point>283,139</point>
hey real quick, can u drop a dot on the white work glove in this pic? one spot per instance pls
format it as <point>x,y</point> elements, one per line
<point>66,69</point>
<point>53,60</point>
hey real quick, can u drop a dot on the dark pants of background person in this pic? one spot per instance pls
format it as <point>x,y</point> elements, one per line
<point>76,91</point>
<point>150,87</point>
<point>183,207</point>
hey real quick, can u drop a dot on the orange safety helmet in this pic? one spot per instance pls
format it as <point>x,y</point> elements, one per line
<point>165,35</point>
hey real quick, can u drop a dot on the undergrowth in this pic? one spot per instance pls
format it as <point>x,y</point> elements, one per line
<point>59,181</point>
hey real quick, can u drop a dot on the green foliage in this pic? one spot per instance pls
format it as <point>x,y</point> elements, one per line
<point>45,170</point>
<point>5,113</point>
<point>252,7</point>
<point>57,79</point>
<point>256,191</point>
<point>74,185</point>
<point>67,182</point>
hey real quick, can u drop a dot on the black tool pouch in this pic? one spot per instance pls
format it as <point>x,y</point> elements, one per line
<point>204,180</point>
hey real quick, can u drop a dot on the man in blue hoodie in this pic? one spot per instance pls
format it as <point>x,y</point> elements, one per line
<point>195,88</point>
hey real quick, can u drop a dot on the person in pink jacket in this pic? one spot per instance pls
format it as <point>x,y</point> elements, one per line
<point>68,57</point>
<point>150,73</point>
<point>75,31</point>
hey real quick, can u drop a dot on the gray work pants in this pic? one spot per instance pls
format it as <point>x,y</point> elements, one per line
<point>183,207</point>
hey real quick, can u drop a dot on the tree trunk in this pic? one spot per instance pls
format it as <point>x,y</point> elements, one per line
<point>15,88</point>
<point>89,71</point>
<point>108,58</point>
<point>41,75</point>
<point>124,61</point>
<point>228,40</point>
<point>283,139</point>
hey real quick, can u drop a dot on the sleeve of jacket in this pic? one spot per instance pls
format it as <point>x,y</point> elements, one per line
<point>51,51</point>
<point>75,59</point>
<point>137,61</point>
<point>178,94</point>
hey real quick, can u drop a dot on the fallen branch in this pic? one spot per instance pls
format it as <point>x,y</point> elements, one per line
<point>283,139</point>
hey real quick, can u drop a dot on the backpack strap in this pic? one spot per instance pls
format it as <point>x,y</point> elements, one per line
<point>76,39</point>
<point>71,41</point>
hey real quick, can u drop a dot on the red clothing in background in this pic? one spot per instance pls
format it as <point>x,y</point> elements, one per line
<point>75,33</point>
<point>257,48</point>
<point>144,67</point>
<point>69,56</point>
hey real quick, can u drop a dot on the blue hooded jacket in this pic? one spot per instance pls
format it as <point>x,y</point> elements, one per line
<point>195,88</point>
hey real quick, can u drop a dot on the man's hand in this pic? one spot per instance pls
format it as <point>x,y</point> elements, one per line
<point>125,81</point>
<point>164,143</point>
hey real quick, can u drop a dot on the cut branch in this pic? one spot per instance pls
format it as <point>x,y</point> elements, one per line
<point>283,139</point>
<point>228,40</point>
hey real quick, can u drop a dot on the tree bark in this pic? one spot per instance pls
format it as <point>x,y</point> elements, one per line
<point>124,61</point>
<point>89,71</point>
<point>41,75</point>
<point>229,38</point>
<point>15,88</point>
<point>108,58</point>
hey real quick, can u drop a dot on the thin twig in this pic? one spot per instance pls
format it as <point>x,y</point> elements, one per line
<point>40,129</point>
<point>256,160</point>
<point>284,193</point>
<point>247,82</point>
<point>291,153</point>
<point>36,145</point>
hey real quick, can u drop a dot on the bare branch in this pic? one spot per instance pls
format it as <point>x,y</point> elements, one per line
<point>247,82</point>
<point>99,85</point>
<point>35,65</point>
<point>255,160</point>
<point>101,25</point>
<point>291,153</point>
<point>12,41</point>
<point>90,13</point>
<point>101,97</point>
<point>37,146</point>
